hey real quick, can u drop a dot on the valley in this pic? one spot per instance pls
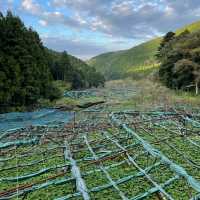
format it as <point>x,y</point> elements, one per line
<point>115,65</point>
<point>121,125</point>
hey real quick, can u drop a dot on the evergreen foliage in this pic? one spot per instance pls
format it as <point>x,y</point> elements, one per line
<point>27,68</point>
<point>166,39</point>
<point>70,69</point>
<point>24,73</point>
<point>180,61</point>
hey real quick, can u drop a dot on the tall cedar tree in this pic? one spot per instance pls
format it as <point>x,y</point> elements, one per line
<point>24,73</point>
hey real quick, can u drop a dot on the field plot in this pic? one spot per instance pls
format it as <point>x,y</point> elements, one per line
<point>100,155</point>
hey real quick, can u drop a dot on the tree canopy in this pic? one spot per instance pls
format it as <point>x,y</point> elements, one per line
<point>24,73</point>
<point>180,60</point>
<point>68,68</point>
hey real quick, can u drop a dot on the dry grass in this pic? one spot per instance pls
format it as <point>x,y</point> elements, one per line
<point>154,94</point>
<point>143,94</point>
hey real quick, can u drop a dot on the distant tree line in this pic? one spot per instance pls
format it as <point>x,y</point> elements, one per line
<point>27,68</point>
<point>180,60</point>
<point>68,68</point>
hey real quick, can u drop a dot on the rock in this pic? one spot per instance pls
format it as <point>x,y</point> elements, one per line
<point>90,104</point>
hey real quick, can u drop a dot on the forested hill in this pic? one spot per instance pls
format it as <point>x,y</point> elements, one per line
<point>68,68</point>
<point>76,62</point>
<point>115,64</point>
<point>28,69</point>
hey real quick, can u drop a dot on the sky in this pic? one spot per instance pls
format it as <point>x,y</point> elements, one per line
<point>86,28</point>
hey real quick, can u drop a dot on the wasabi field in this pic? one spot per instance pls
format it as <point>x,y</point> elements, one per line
<point>120,149</point>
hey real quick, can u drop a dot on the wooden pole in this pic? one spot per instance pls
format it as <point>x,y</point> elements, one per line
<point>197,88</point>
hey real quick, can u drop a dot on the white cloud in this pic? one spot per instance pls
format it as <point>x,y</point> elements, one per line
<point>10,1</point>
<point>43,22</point>
<point>124,8</point>
<point>169,11</point>
<point>124,18</point>
<point>80,19</point>
<point>97,23</point>
<point>197,12</point>
<point>135,20</point>
<point>31,7</point>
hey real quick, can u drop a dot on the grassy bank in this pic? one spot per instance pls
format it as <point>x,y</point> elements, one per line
<point>152,94</point>
<point>141,94</point>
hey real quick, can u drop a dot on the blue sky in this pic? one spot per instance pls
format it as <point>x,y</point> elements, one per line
<point>86,28</point>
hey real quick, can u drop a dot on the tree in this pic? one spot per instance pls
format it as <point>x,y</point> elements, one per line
<point>162,48</point>
<point>24,72</point>
<point>180,63</point>
<point>70,69</point>
<point>65,67</point>
<point>185,70</point>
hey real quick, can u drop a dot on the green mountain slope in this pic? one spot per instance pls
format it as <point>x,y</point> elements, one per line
<point>74,61</point>
<point>73,70</point>
<point>115,64</point>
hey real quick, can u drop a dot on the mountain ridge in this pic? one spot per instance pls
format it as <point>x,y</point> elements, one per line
<point>115,64</point>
